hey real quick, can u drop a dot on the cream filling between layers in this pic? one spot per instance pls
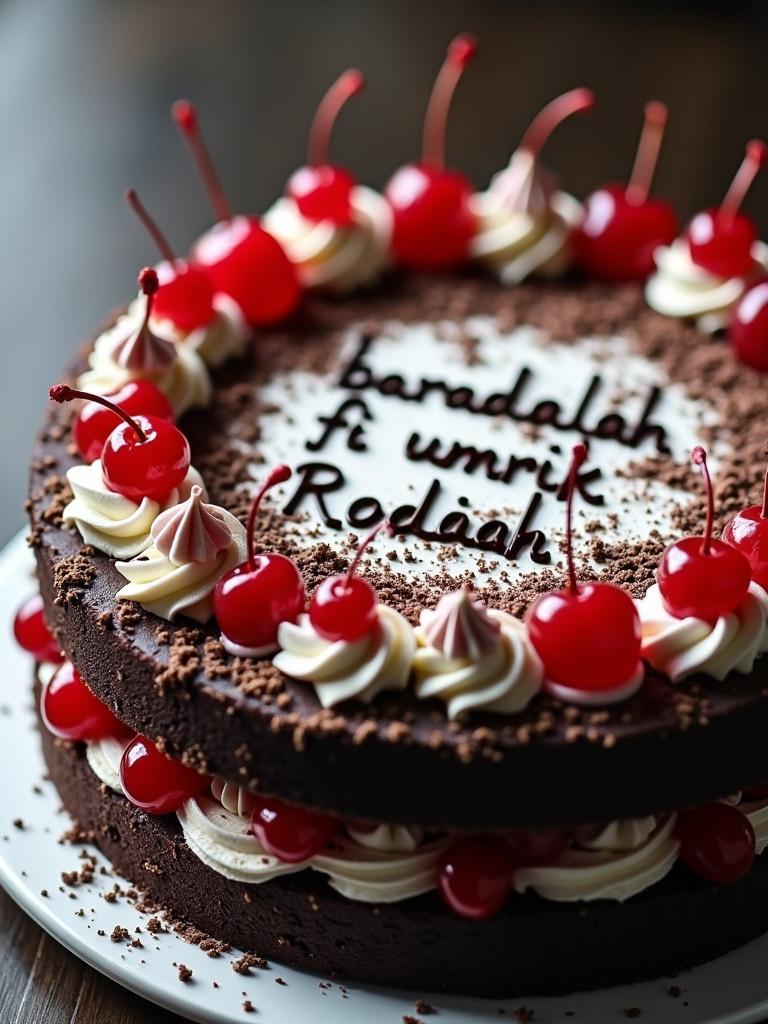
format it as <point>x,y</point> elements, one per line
<point>104,758</point>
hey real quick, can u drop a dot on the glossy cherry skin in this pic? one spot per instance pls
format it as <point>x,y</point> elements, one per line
<point>747,531</point>
<point>71,711</point>
<point>433,222</point>
<point>722,244</point>
<point>145,469</point>
<point>94,423</point>
<point>250,603</point>
<point>185,295</point>
<point>322,193</point>
<point>343,609</point>
<point>290,833</point>
<point>748,327</point>
<point>156,783</point>
<point>704,586</point>
<point>531,848</point>
<point>589,640</point>
<point>717,842</point>
<point>617,239</point>
<point>475,876</point>
<point>247,263</point>
<point>32,633</point>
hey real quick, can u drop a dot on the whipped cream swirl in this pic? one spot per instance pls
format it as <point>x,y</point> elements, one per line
<point>524,224</point>
<point>104,758</point>
<point>110,522</point>
<point>499,672</point>
<point>342,670</point>
<point>684,647</point>
<point>331,257</point>
<point>193,546</point>
<point>681,288</point>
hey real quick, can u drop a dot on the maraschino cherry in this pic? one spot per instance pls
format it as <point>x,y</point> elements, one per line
<point>156,783</point>
<point>623,224</point>
<point>702,576</point>
<point>185,291</point>
<point>530,848</point>
<point>143,457</point>
<point>290,833</point>
<point>72,712</point>
<point>588,635</point>
<point>433,222</point>
<point>94,422</point>
<point>344,607</point>
<point>32,632</point>
<point>243,259</point>
<point>720,239</point>
<point>748,327</point>
<point>322,190</point>
<point>475,876</point>
<point>253,599</point>
<point>717,842</point>
<point>747,532</point>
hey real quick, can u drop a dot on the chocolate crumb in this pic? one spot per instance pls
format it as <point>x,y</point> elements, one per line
<point>185,974</point>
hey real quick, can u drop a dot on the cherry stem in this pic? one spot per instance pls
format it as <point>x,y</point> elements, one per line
<point>754,159</point>
<point>579,456</point>
<point>131,197</point>
<point>647,152</point>
<point>348,84</point>
<point>699,457</point>
<point>64,393</point>
<point>555,112</point>
<point>149,283</point>
<point>764,511</point>
<point>460,52</point>
<point>366,543</point>
<point>185,115</point>
<point>276,476</point>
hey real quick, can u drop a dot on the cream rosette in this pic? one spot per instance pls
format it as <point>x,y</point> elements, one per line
<point>475,659</point>
<point>603,871</point>
<point>193,546</point>
<point>681,288</point>
<point>332,257</point>
<point>524,225</point>
<point>684,647</point>
<point>110,522</point>
<point>225,337</point>
<point>343,670</point>
<point>104,758</point>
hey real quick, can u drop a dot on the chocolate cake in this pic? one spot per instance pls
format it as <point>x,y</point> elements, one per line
<point>416,640</point>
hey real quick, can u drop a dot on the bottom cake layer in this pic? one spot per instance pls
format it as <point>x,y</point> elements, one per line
<point>533,947</point>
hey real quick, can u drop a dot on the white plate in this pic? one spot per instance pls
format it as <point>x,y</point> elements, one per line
<point>733,990</point>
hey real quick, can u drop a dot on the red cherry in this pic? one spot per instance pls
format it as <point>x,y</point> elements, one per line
<point>721,239</point>
<point>321,190</point>
<point>253,599</point>
<point>344,607</point>
<point>747,531</point>
<point>143,457</point>
<point>701,576</point>
<point>623,225</point>
<point>71,711</point>
<point>156,783</point>
<point>717,842</point>
<point>531,848</point>
<point>290,833</point>
<point>433,222</point>
<point>475,876</point>
<point>748,328</point>
<point>588,635</point>
<point>185,292</point>
<point>32,633</point>
<point>240,257</point>
<point>94,423</point>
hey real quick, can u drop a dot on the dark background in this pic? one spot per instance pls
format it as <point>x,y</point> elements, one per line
<point>85,88</point>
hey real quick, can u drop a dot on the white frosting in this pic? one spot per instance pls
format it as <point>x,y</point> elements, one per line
<point>598,698</point>
<point>331,257</point>
<point>757,812</point>
<point>104,758</point>
<point>233,798</point>
<point>110,522</point>
<point>683,647</point>
<point>617,836</point>
<point>225,337</point>
<point>503,680</point>
<point>167,589</point>
<point>388,838</point>
<point>604,873</point>
<point>681,288</point>
<point>341,670</point>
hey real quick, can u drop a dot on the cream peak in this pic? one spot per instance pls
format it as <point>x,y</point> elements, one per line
<point>460,627</point>
<point>191,531</point>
